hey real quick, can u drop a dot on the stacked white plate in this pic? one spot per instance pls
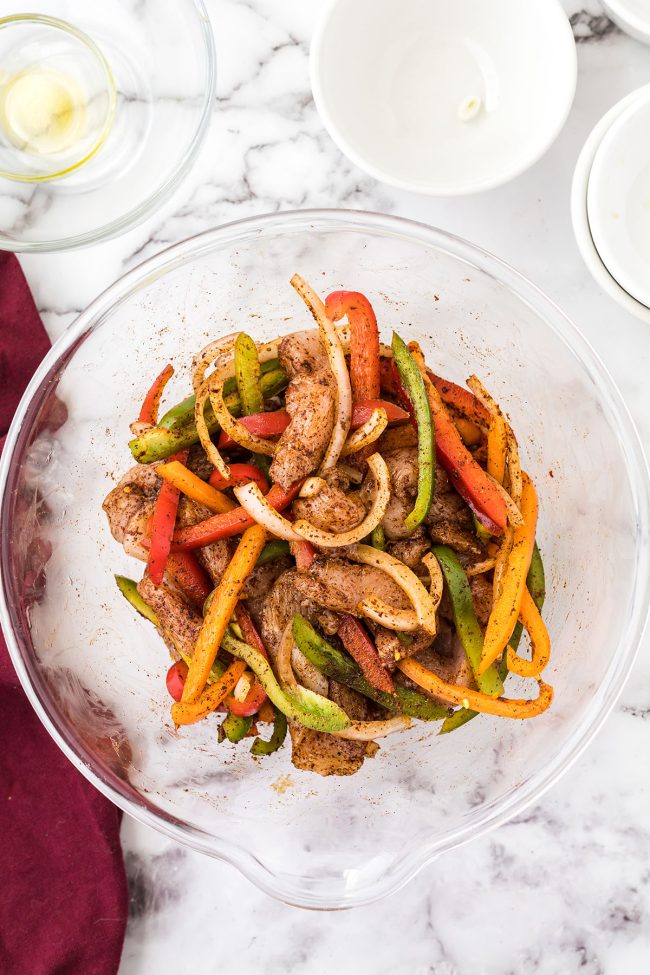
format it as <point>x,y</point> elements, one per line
<point>610,203</point>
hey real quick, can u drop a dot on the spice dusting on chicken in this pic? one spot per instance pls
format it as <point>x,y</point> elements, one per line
<point>336,542</point>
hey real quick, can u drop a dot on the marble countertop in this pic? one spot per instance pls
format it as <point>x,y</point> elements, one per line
<point>566,886</point>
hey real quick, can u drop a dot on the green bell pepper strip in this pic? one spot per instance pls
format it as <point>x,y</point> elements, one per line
<point>536,584</point>
<point>413,383</point>
<point>129,590</point>
<point>302,705</point>
<point>235,728</point>
<point>179,413</point>
<point>378,537</point>
<point>273,551</point>
<point>467,627</point>
<point>340,666</point>
<point>248,375</point>
<point>161,442</point>
<point>261,747</point>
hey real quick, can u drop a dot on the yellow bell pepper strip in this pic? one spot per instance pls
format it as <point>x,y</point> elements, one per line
<point>248,375</point>
<point>149,409</point>
<point>189,712</point>
<point>302,705</point>
<point>193,487</point>
<point>539,640</point>
<point>466,475</point>
<point>261,747</point>
<point>467,627</point>
<point>129,590</point>
<point>470,434</point>
<point>221,609</point>
<point>177,429</point>
<point>502,707</point>
<point>507,606</point>
<point>497,448</point>
<point>413,383</point>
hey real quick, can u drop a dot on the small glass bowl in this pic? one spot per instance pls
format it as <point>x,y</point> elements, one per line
<point>161,60</point>
<point>95,672</point>
<point>57,97</point>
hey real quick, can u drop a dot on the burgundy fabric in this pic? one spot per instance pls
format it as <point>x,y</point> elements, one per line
<point>63,895</point>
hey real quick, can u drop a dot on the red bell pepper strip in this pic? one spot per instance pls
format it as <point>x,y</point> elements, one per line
<point>231,523</point>
<point>273,424</point>
<point>149,410</point>
<point>163,521</point>
<point>257,695</point>
<point>261,424</point>
<point>362,411</point>
<point>392,384</point>
<point>190,576</point>
<point>361,648</point>
<point>462,400</point>
<point>240,474</point>
<point>304,553</point>
<point>465,474</point>
<point>175,679</point>
<point>364,340</point>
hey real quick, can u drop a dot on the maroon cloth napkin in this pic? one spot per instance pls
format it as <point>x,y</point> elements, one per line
<point>63,896</point>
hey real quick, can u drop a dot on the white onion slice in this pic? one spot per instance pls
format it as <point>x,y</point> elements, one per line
<point>403,620</point>
<point>369,730</point>
<point>370,431</point>
<point>405,579</point>
<point>336,357</point>
<point>255,504</point>
<point>325,539</point>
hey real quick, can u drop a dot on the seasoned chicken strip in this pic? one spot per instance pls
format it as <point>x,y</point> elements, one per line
<point>309,403</point>
<point>129,498</point>
<point>180,622</point>
<point>331,509</point>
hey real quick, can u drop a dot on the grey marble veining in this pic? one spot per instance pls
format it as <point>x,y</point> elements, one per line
<point>564,888</point>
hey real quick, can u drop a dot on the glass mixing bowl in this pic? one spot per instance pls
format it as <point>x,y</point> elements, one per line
<point>94,672</point>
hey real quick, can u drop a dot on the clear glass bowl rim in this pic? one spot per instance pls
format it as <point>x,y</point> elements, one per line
<point>116,227</point>
<point>290,888</point>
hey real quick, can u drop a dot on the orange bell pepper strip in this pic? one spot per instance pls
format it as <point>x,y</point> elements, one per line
<point>231,523</point>
<point>507,606</point>
<point>189,712</point>
<point>221,609</point>
<point>364,340</point>
<point>149,409</point>
<point>502,707</point>
<point>465,474</point>
<point>470,433</point>
<point>193,487</point>
<point>534,625</point>
<point>497,448</point>
<point>162,527</point>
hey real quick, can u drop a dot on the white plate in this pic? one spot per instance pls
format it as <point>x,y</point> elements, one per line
<point>393,79</point>
<point>632,16</point>
<point>618,199</point>
<point>580,219</point>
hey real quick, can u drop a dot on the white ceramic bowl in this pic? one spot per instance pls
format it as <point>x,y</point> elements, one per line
<point>392,80</point>
<point>580,218</point>
<point>632,16</point>
<point>618,199</point>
